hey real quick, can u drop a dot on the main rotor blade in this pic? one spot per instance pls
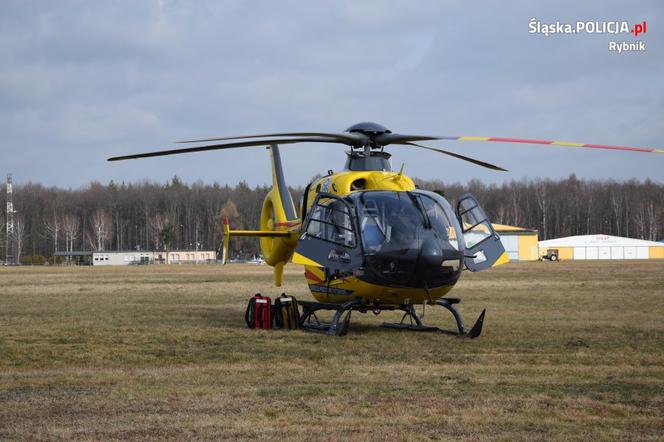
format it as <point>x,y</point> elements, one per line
<point>385,139</point>
<point>225,146</point>
<point>456,155</point>
<point>340,136</point>
<point>554,143</point>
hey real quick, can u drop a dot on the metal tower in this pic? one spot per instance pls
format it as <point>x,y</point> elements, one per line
<point>9,238</point>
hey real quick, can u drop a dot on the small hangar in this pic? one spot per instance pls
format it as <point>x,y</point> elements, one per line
<point>520,244</point>
<point>591,247</point>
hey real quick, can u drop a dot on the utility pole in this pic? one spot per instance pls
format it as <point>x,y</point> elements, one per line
<point>9,238</point>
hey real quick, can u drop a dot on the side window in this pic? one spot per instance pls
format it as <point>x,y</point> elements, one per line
<point>331,221</point>
<point>475,226</point>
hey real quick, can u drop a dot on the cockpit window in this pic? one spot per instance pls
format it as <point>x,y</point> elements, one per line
<point>441,220</point>
<point>475,226</point>
<point>397,218</point>
<point>388,217</point>
<point>331,221</point>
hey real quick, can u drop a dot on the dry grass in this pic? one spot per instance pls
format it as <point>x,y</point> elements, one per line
<point>569,351</point>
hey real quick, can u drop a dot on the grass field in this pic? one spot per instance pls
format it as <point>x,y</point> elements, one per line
<point>571,350</point>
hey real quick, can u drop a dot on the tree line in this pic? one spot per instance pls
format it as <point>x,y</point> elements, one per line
<point>177,215</point>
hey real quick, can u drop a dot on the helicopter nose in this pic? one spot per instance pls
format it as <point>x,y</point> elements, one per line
<point>430,258</point>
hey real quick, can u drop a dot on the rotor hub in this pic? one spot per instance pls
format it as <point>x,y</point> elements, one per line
<point>370,131</point>
<point>368,128</point>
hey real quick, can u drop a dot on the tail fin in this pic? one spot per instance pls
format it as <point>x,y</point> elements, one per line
<point>283,206</point>
<point>279,225</point>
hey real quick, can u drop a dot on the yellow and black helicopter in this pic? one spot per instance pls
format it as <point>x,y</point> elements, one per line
<point>368,238</point>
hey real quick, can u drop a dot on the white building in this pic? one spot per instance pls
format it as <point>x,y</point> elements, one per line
<point>185,257</point>
<point>113,258</point>
<point>602,247</point>
<point>137,257</point>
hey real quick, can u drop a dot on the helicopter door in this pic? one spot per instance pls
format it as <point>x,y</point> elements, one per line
<point>483,246</point>
<point>329,237</point>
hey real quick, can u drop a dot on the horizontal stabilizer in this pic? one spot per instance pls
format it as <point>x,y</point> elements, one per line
<point>228,233</point>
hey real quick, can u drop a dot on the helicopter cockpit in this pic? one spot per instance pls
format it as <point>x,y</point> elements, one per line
<point>403,238</point>
<point>410,238</point>
<point>398,238</point>
<point>398,219</point>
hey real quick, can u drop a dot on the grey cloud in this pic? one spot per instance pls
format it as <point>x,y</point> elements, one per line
<point>83,81</point>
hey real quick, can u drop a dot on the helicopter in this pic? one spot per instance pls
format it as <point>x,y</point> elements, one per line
<point>368,238</point>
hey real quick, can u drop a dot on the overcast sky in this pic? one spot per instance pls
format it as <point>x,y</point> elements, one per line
<point>81,81</point>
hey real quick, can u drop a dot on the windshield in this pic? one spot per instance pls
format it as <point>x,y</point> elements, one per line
<point>442,219</point>
<point>396,219</point>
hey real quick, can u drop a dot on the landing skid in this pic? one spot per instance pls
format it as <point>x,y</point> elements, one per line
<point>341,319</point>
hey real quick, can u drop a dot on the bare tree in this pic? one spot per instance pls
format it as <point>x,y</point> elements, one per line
<point>617,206</point>
<point>229,212</point>
<point>514,196</point>
<point>543,204</point>
<point>70,225</point>
<point>501,215</point>
<point>157,224</point>
<point>640,218</point>
<point>20,236</point>
<point>101,226</point>
<point>651,212</point>
<point>53,228</point>
<point>590,208</point>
